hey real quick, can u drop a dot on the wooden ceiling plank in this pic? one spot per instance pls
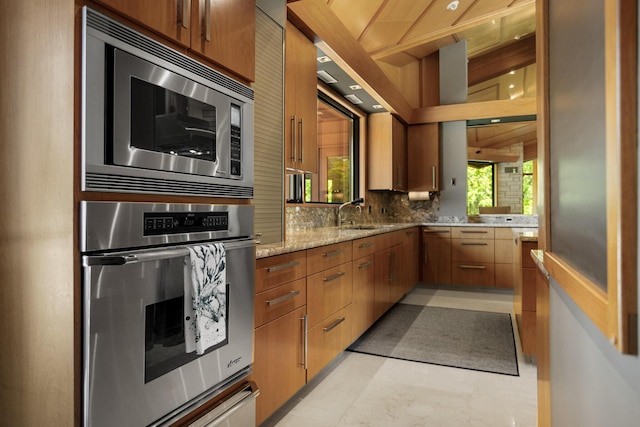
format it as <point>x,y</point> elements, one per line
<point>513,56</point>
<point>357,23</point>
<point>431,36</point>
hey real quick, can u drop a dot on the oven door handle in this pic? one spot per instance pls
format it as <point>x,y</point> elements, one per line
<point>145,256</point>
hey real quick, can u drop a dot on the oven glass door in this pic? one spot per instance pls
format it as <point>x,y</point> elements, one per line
<point>136,368</point>
<point>164,121</point>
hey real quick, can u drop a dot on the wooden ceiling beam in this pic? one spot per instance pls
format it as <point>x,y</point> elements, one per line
<point>316,19</point>
<point>500,61</point>
<point>491,155</point>
<point>475,110</point>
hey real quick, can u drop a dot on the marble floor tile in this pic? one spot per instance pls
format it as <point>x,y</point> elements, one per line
<point>363,390</point>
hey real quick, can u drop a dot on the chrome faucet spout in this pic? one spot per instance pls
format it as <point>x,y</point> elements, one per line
<point>355,203</point>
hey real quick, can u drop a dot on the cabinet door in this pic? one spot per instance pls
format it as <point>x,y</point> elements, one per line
<point>436,255</point>
<point>363,306</point>
<point>410,258</point>
<point>399,141</point>
<point>423,157</point>
<point>399,276</point>
<point>301,122</point>
<point>279,362</point>
<point>383,282</point>
<point>171,18</point>
<point>387,153</point>
<point>224,32</point>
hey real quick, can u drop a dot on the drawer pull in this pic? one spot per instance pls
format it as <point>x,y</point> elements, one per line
<point>333,253</point>
<point>366,245</point>
<point>333,277</point>
<point>473,267</point>
<point>365,264</point>
<point>283,266</point>
<point>436,231</point>
<point>334,324</point>
<point>283,298</point>
<point>474,244</point>
<point>474,231</point>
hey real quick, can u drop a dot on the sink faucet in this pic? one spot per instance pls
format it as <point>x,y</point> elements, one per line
<point>355,203</point>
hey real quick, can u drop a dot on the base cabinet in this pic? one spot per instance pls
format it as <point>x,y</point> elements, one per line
<point>311,305</point>
<point>280,370</point>
<point>524,294</point>
<point>436,255</point>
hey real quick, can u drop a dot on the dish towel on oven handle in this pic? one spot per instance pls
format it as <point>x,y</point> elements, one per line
<point>205,297</point>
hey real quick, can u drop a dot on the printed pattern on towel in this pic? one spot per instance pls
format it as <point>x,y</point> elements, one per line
<point>205,298</point>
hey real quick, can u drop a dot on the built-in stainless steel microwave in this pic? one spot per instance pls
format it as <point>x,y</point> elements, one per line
<point>156,121</point>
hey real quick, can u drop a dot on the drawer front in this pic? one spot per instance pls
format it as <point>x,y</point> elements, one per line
<point>503,233</point>
<point>440,232</point>
<point>327,339</point>
<point>280,269</point>
<point>328,292</point>
<point>364,247</point>
<point>324,257</point>
<point>277,302</point>
<point>476,250</point>
<point>472,232</point>
<point>473,274</point>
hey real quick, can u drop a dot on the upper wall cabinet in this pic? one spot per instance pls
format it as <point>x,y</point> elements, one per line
<point>300,104</point>
<point>221,31</point>
<point>423,157</point>
<point>387,153</point>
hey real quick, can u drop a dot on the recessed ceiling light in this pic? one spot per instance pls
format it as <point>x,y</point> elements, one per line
<point>355,87</point>
<point>323,59</point>
<point>512,72</point>
<point>378,106</point>
<point>326,77</point>
<point>511,86</point>
<point>453,5</point>
<point>354,99</point>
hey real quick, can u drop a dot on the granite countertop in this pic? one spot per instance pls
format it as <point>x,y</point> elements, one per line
<point>308,239</point>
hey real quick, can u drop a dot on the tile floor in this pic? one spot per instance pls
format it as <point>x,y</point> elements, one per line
<point>363,390</point>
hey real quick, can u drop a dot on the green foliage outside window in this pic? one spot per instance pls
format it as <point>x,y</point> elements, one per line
<point>479,187</point>
<point>527,188</point>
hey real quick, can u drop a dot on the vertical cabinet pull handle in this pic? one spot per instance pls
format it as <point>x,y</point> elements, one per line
<point>433,177</point>
<point>301,137</point>
<point>207,20</point>
<point>185,13</point>
<point>294,140</point>
<point>426,253</point>
<point>305,341</point>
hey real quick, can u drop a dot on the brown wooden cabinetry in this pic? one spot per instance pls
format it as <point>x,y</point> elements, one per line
<point>472,256</point>
<point>423,157</point>
<point>220,31</point>
<point>327,297</point>
<point>300,102</point>
<point>504,257</point>
<point>436,255</point>
<point>524,293</point>
<point>387,153</point>
<point>280,334</point>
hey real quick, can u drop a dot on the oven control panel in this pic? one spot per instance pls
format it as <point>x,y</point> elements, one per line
<point>158,223</point>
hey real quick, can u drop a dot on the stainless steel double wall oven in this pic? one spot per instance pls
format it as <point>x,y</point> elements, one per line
<point>137,371</point>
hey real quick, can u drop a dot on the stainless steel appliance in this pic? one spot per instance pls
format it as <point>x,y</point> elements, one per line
<point>136,370</point>
<point>157,121</point>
